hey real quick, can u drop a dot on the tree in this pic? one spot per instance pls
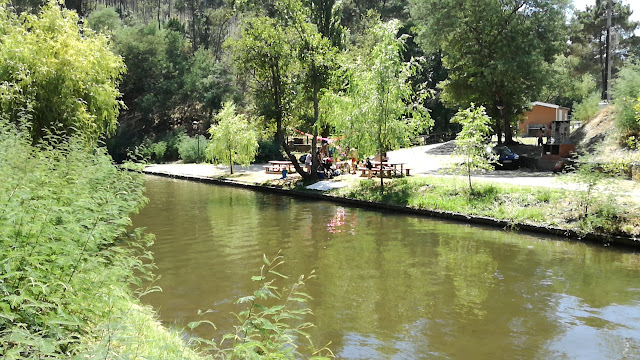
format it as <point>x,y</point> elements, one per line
<point>57,73</point>
<point>589,34</point>
<point>625,89</point>
<point>286,57</point>
<point>472,141</point>
<point>496,52</point>
<point>378,111</point>
<point>233,139</point>
<point>567,86</point>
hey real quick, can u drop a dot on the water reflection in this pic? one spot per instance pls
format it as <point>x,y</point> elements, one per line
<point>394,286</point>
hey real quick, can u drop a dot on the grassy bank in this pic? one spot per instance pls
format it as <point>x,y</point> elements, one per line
<point>568,209</point>
<point>67,260</point>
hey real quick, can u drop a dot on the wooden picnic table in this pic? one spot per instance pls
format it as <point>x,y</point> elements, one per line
<point>394,166</point>
<point>276,166</point>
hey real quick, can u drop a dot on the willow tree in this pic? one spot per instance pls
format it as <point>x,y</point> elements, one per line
<point>233,139</point>
<point>57,73</point>
<point>498,53</point>
<point>379,110</point>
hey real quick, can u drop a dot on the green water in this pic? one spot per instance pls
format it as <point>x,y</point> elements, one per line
<point>393,286</point>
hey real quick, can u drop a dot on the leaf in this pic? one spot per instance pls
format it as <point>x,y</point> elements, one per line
<point>245,299</point>
<point>278,274</point>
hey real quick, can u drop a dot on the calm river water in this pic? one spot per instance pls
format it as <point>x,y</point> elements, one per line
<point>393,286</point>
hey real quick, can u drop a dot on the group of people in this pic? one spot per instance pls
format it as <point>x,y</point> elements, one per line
<point>328,167</point>
<point>550,140</point>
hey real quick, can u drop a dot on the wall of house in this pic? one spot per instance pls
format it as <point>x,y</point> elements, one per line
<point>537,115</point>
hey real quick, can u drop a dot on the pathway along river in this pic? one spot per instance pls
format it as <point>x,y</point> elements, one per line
<point>393,286</point>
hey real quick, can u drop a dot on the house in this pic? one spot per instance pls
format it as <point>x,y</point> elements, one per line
<point>542,115</point>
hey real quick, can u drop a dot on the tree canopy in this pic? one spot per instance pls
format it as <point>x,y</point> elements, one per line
<point>589,34</point>
<point>496,52</point>
<point>57,74</point>
<point>378,111</point>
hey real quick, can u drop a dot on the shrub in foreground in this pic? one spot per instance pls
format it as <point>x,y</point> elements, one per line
<point>66,257</point>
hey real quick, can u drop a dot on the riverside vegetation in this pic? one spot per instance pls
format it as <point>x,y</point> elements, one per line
<point>69,262</point>
<point>517,204</point>
<point>67,258</point>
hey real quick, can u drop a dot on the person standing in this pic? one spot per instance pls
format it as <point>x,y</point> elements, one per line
<point>540,134</point>
<point>307,162</point>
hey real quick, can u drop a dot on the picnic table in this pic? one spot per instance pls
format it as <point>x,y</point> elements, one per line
<point>276,166</point>
<point>393,166</point>
<point>388,169</point>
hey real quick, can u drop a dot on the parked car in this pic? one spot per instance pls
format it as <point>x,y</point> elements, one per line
<point>507,159</point>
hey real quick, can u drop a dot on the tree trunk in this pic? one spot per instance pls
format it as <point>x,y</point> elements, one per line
<point>159,5</point>
<point>316,115</point>
<point>508,134</point>
<point>230,162</point>
<point>277,102</point>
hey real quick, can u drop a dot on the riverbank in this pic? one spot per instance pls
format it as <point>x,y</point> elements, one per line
<point>552,207</point>
<point>71,265</point>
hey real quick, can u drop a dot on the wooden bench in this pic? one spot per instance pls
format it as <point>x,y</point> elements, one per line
<point>386,172</point>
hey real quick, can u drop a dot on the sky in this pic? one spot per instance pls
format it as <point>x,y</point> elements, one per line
<point>635,6</point>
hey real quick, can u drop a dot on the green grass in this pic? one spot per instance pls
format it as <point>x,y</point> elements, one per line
<point>532,205</point>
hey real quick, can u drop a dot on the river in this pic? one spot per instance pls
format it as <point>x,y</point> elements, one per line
<point>392,286</point>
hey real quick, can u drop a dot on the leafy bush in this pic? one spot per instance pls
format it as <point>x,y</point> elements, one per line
<point>588,108</point>
<point>172,139</point>
<point>191,149</point>
<point>57,73</point>
<point>268,150</point>
<point>625,94</point>
<point>67,256</point>
<point>153,152</point>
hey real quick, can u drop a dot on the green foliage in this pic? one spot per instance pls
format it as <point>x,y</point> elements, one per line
<point>472,141</point>
<point>567,86</point>
<point>289,60</point>
<point>272,322</point>
<point>57,74</point>
<point>534,205</point>
<point>207,81</point>
<point>268,149</point>
<point>495,51</point>
<point>153,152</point>
<point>192,149</point>
<point>157,63</point>
<point>68,255</point>
<point>588,39</point>
<point>104,19</point>
<point>541,206</point>
<point>636,107</point>
<point>233,139</point>
<point>625,90</point>
<point>591,175</point>
<point>587,108</point>
<point>379,110</point>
